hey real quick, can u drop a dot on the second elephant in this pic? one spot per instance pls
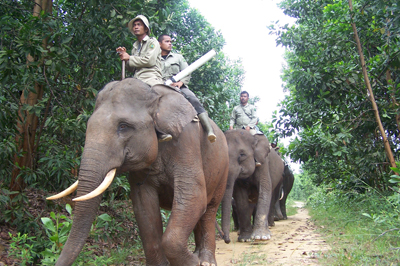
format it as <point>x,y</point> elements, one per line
<point>249,184</point>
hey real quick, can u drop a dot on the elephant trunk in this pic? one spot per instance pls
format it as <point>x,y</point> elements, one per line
<point>91,174</point>
<point>82,223</point>
<point>226,212</point>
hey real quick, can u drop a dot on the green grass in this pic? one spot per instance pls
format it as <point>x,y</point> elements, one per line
<point>360,229</point>
<point>290,209</point>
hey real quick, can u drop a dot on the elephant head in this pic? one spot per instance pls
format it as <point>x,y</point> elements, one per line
<point>287,185</point>
<point>121,136</point>
<point>244,149</point>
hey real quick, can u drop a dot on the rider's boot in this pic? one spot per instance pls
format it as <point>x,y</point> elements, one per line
<point>205,121</point>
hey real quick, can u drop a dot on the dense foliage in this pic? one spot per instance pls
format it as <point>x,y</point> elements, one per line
<point>328,107</point>
<point>69,52</point>
<point>78,61</point>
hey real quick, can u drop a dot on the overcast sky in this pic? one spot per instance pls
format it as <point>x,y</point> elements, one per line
<point>244,27</point>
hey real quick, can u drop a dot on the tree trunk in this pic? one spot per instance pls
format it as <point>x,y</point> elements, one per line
<point>370,93</point>
<point>28,122</point>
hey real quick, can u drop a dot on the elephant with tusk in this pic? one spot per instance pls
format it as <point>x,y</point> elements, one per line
<point>186,175</point>
<point>287,185</point>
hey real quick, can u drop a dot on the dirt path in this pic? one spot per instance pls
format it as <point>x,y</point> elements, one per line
<point>294,242</point>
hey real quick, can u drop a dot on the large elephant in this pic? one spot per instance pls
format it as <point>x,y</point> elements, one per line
<point>186,175</point>
<point>287,185</point>
<point>250,185</point>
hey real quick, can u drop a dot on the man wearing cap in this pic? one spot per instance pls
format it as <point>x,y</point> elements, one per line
<point>172,64</point>
<point>145,61</point>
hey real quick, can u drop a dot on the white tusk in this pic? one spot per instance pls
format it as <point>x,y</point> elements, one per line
<point>100,189</point>
<point>66,192</point>
<point>283,194</point>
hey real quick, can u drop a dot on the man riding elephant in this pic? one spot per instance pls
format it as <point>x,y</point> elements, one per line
<point>186,175</point>
<point>244,116</point>
<point>145,61</point>
<point>172,64</point>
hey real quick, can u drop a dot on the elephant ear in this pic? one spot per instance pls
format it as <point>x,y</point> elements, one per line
<point>261,147</point>
<point>171,111</point>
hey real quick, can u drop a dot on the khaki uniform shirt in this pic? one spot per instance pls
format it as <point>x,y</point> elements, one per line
<point>145,61</point>
<point>172,65</point>
<point>243,116</point>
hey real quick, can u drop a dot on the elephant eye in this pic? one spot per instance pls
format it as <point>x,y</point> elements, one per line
<point>242,157</point>
<point>122,126</point>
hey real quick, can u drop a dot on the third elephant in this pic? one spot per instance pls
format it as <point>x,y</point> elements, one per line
<point>280,204</point>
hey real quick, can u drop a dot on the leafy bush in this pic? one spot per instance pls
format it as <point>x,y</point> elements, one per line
<point>21,247</point>
<point>360,228</point>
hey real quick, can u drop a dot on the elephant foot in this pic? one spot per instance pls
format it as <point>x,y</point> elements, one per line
<point>244,240</point>
<point>271,222</point>
<point>261,234</point>
<point>204,263</point>
<point>207,264</point>
<point>245,237</point>
<point>206,258</point>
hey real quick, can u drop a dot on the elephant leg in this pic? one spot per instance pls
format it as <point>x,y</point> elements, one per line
<point>253,207</point>
<point>260,229</point>
<point>278,212</point>
<point>188,207</point>
<point>148,216</point>
<point>282,204</point>
<point>274,208</point>
<point>204,234</point>
<point>271,214</point>
<point>244,213</point>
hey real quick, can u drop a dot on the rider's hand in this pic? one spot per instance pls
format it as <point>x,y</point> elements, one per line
<point>178,84</point>
<point>123,55</point>
<point>121,50</point>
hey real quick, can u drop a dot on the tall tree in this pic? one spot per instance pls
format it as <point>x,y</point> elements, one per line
<point>370,92</point>
<point>27,122</point>
<point>327,106</point>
